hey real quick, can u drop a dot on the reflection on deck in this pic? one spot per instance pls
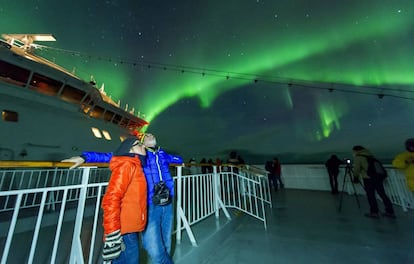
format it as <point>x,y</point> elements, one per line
<point>305,226</point>
<point>221,217</point>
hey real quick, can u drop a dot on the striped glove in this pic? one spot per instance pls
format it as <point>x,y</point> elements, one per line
<point>113,246</point>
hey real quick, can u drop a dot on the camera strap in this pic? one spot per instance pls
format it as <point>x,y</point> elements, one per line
<point>158,165</point>
<point>155,153</point>
<point>161,195</point>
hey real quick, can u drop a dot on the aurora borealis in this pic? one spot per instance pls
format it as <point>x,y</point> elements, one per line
<point>260,77</point>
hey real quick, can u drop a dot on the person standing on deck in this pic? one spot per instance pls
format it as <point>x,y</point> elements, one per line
<point>332,166</point>
<point>125,204</point>
<point>405,161</point>
<point>371,185</point>
<point>203,163</point>
<point>157,236</point>
<point>271,175</point>
<point>234,162</point>
<point>193,166</point>
<point>277,171</point>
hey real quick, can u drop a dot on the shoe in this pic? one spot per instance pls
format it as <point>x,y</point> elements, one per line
<point>372,215</point>
<point>389,215</point>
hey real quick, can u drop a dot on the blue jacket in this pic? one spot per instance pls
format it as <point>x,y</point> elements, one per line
<point>156,167</point>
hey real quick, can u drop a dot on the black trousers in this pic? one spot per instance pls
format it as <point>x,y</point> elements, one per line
<point>333,180</point>
<point>272,181</point>
<point>372,186</point>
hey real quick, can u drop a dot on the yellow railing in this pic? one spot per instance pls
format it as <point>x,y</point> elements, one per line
<point>45,164</point>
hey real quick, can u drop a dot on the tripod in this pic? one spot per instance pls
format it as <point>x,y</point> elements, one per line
<point>348,173</point>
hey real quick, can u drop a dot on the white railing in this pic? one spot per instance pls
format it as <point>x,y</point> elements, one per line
<point>72,196</point>
<point>247,191</point>
<point>396,187</point>
<point>202,195</point>
<point>315,177</point>
<point>25,179</point>
<point>61,206</point>
<point>33,208</point>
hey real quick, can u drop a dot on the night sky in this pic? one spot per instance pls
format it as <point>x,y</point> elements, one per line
<point>294,79</point>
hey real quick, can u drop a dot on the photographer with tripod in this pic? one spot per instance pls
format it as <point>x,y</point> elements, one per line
<point>371,185</point>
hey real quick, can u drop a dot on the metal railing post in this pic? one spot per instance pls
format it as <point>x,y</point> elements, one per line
<point>179,202</point>
<point>11,229</point>
<point>216,192</point>
<point>180,213</point>
<point>76,254</point>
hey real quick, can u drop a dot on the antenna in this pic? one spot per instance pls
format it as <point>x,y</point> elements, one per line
<point>102,89</point>
<point>92,81</point>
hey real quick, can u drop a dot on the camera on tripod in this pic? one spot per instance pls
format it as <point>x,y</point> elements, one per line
<point>351,179</point>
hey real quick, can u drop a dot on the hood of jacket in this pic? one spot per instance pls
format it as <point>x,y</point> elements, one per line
<point>117,161</point>
<point>363,152</point>
<point>360,165</point>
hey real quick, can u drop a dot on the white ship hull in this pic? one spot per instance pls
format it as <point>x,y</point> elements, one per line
<point>54,120</point>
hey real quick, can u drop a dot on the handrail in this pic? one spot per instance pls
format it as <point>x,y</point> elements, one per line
<point>46,188</point>
<point>45,164</point>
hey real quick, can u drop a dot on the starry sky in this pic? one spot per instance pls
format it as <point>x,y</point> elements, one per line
<point>290,78</point>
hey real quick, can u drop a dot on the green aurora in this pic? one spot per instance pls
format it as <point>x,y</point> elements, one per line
<point>285,47</point>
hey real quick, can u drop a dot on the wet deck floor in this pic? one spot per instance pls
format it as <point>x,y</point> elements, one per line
<point>304,227</point>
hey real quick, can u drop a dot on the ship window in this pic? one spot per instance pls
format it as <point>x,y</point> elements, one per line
<point>124,122</point>
<point>117,119</point>
<point>108,115</point>
<point>87,104</point>
<point>13,74</point>
<point>106,135</point>
<point>97,112</point>
<point>9,116</point>
<point>96,132</point>
<point>132,125</point>
<point>44,84</point>
<point>72,95</point>
<point>86,108</point>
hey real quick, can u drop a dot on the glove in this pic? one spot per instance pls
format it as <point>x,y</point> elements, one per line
<point>113,246</point>
<point>78,160</point>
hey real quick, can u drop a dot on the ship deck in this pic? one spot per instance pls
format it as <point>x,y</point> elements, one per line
<point>304,227</point>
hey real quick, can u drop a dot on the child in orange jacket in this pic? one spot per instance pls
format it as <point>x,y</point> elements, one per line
<point>125,204</point>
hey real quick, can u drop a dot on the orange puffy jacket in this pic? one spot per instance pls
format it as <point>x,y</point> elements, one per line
<point>125,201</point>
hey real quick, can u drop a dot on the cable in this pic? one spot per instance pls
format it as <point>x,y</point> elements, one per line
<point>376,91</point>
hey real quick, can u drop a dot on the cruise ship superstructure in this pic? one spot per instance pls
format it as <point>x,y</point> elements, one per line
<point>48,113</point>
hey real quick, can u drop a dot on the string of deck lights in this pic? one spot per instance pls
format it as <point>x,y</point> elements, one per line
<point>331,87</point>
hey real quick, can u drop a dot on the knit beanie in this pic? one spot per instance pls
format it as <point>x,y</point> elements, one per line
<point>141,137</point>
<point>125,147</point>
